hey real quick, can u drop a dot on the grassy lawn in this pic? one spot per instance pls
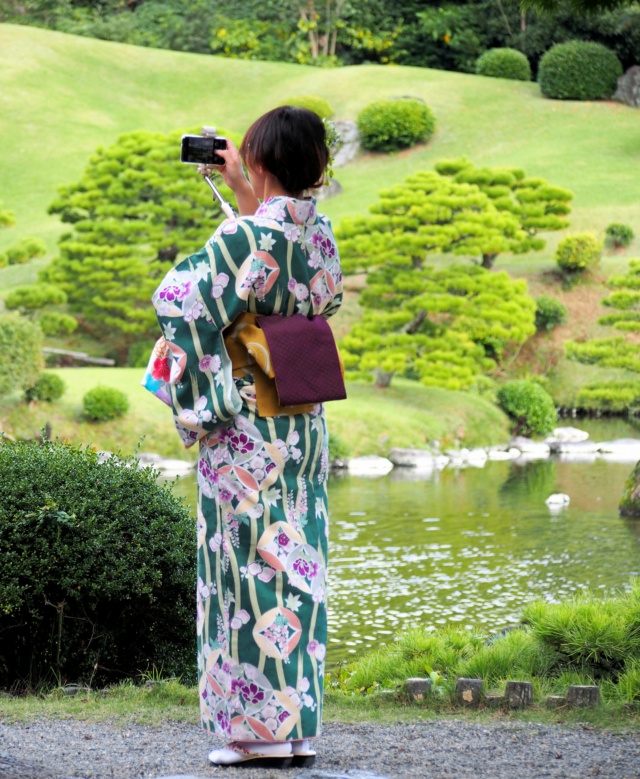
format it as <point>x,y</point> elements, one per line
<point>62,96</point>
<point>370,421</point>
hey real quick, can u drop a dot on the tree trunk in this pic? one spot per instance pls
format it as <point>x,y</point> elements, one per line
<point>488,260</point>
<point>412,327</point>
<point>383,378</point>
<point>417,262</point>
<point>523,20</point>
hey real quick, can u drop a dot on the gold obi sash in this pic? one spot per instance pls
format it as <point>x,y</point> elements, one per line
<point>247,348</point>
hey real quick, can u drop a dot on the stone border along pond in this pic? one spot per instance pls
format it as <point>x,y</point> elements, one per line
<point>566,443</point>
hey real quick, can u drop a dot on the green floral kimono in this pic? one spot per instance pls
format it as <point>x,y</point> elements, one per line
<point>262,498</point>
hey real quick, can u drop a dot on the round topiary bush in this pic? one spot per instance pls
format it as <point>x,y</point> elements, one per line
<point>578,252</point>
<point>48,388</point>
<point>619,235</point>
<point>504,63</point>
<point>529,406</point>
<point>550,313</point>
<point>579,70</point>
<point>98,569</point>
<point>313,103</point>
<point>104,403</point>
<point>388,125</point>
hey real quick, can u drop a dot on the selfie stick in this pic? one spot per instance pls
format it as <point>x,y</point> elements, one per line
<point>226,207</point>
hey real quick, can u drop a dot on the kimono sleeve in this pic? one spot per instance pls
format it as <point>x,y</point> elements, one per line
<point>196,301</point>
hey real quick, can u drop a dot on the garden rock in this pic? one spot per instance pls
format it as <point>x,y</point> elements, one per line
<point>558,499</point>
<point>369,465</point>
<point>412,458</point>
<point>350,138</point>
<point>567,434</point>
<point>573,447</point>
<point>622,450</point>
<point>628,90</point>
<point>502,453</point>
<point>529,448</point>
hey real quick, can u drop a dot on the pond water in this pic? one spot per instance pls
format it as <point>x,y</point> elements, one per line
<point>471,547</point>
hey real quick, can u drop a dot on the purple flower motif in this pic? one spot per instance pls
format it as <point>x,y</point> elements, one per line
<point>313,572</point>
<point>301,567</point>
<point>252,693</point>
<point>241,443</point>
<point>291,286</point>
<point>171,293</point>
<point>223,722</point>
<point>269,468</point>
<point>237,686</point>
<point>283,716</point>
<point>283,539</point>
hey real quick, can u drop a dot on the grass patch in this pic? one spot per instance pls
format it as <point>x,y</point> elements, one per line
<point>370,421</point>
<point>582,641</point>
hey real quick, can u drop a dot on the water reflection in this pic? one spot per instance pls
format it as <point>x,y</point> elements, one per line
<point>469,547</point>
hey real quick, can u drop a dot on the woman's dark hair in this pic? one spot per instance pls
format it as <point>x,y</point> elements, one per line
<point>290,143</point>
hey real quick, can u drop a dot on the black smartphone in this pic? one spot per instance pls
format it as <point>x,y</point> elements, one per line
<point>201,149</point>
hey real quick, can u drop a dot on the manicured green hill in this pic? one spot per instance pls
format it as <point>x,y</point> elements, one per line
<point>63,95</point>
<point>368,422</point>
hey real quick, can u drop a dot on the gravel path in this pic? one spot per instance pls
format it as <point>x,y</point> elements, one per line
<point>50,749</point>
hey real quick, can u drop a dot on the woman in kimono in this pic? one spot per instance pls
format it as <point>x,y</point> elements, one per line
<point>262,497</point>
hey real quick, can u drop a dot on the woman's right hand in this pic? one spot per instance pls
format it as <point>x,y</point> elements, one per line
<point>234,177</point>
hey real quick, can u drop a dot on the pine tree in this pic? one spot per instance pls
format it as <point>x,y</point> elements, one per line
<point>135,210</point>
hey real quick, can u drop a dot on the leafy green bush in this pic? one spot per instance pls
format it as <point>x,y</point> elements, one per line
<point>612,396</point>
<point>313,103</point>
<point>98,568</point>
<point>619,235</point>
<point>529,406</point>
<point>26,249</point>
<point>388,125</point>
<point>579,70</point>
<point>19,367</point>
<point>35,296</point>
<point>49,387</point>
<point>55,323</point>
<point>139,353</point>
<point>104,403</point>
<point>550,312</point>
<point>578,252</point>
<point>504,63</point>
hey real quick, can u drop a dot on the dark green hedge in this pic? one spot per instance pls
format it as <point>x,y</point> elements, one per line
<point>579,70</point>
<point>98,569</point>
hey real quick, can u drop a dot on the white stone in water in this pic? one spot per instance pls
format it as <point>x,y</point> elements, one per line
<point>369,465</point>
<point>177,467</point>
<point>622,450</point>
<point>412,458</point>
<point>533,449</point>
<point>477,457</point>
<point>558,499</point>
<point>502,453</point>
<point>568,434</point>
<point>574,447</point>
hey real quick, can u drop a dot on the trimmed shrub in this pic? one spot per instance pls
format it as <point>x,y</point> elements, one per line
<point>504,63</point>
<point>104,403</point>
<point>19,367</point>
<point>614,397</point>
<point>98,569</point>
<point>550,313</point>
<point>529,406</point>
<point>49,387</point>
<point>313,103</point>
<point>618,235</point>
<point>578,252</point>
<point>35,296</point>
<point>388,125</point>
<point>54,323</point>
<point>579,70</point>
<point>26,249</point>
